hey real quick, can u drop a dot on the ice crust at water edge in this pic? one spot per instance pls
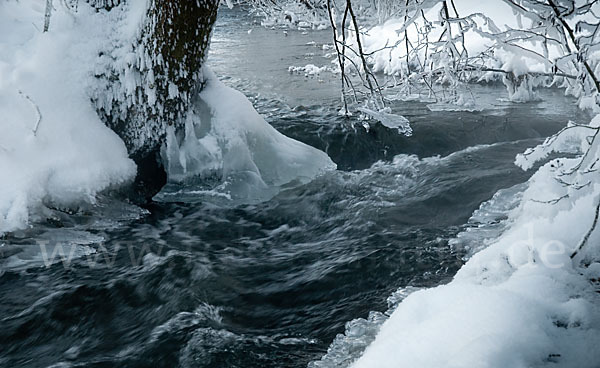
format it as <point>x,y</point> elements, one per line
<point>227,140</point>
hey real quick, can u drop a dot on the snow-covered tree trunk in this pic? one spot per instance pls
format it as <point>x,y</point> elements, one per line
<point>166,73</point>
<point>175,41</point>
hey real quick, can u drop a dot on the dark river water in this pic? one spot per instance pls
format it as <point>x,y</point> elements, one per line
<point>196,283</point>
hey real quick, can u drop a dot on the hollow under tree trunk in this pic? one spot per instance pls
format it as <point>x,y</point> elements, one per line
<point>170,51</point>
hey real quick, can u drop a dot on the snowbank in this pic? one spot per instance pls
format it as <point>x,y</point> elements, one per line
<point>528,320</point>
<point>500,18</point>
<point>491,41</point>
<point>226,139</point>
<point>53,148</point>
<point>520,302</point>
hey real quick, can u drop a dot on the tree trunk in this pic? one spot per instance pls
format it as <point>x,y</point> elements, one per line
<point>170,50</point>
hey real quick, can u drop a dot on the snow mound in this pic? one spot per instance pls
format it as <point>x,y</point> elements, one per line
<point>520,302</point>
<point>528,320</point>
<point>227,142</point>
<point>54,150</point>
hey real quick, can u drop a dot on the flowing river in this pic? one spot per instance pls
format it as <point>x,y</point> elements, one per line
<point>208,283</point>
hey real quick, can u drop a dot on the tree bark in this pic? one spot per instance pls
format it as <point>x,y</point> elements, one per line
<point>170,51</point>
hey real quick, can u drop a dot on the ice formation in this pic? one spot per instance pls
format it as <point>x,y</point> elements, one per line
<point>228,140</point>
<point>54,150</point>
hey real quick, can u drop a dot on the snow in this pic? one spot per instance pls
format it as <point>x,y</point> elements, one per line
<point>72,156</point>
<point>48,79</point>
<point>309,70</point>
<point>573,139</point>
<point>391,61</point>
<point>359,333</point>
<point>528,296</point>
<point>292,14</point>
<point>227,139</point>
<point>489,40</point>
<point>527,320</point>
<point>521,301</point>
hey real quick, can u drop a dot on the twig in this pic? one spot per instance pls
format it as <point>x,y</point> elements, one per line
<point>341,62</point>
<point>37,111</point>
<point>370,78</point>
<point>551,201</point>
<point>47,15</point>
<point>589,232</point>
<point>569,30</point>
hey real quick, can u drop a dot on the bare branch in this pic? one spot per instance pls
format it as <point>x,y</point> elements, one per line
<point>37,111</point>
<point>47,15</point>
<point>587,235</point>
